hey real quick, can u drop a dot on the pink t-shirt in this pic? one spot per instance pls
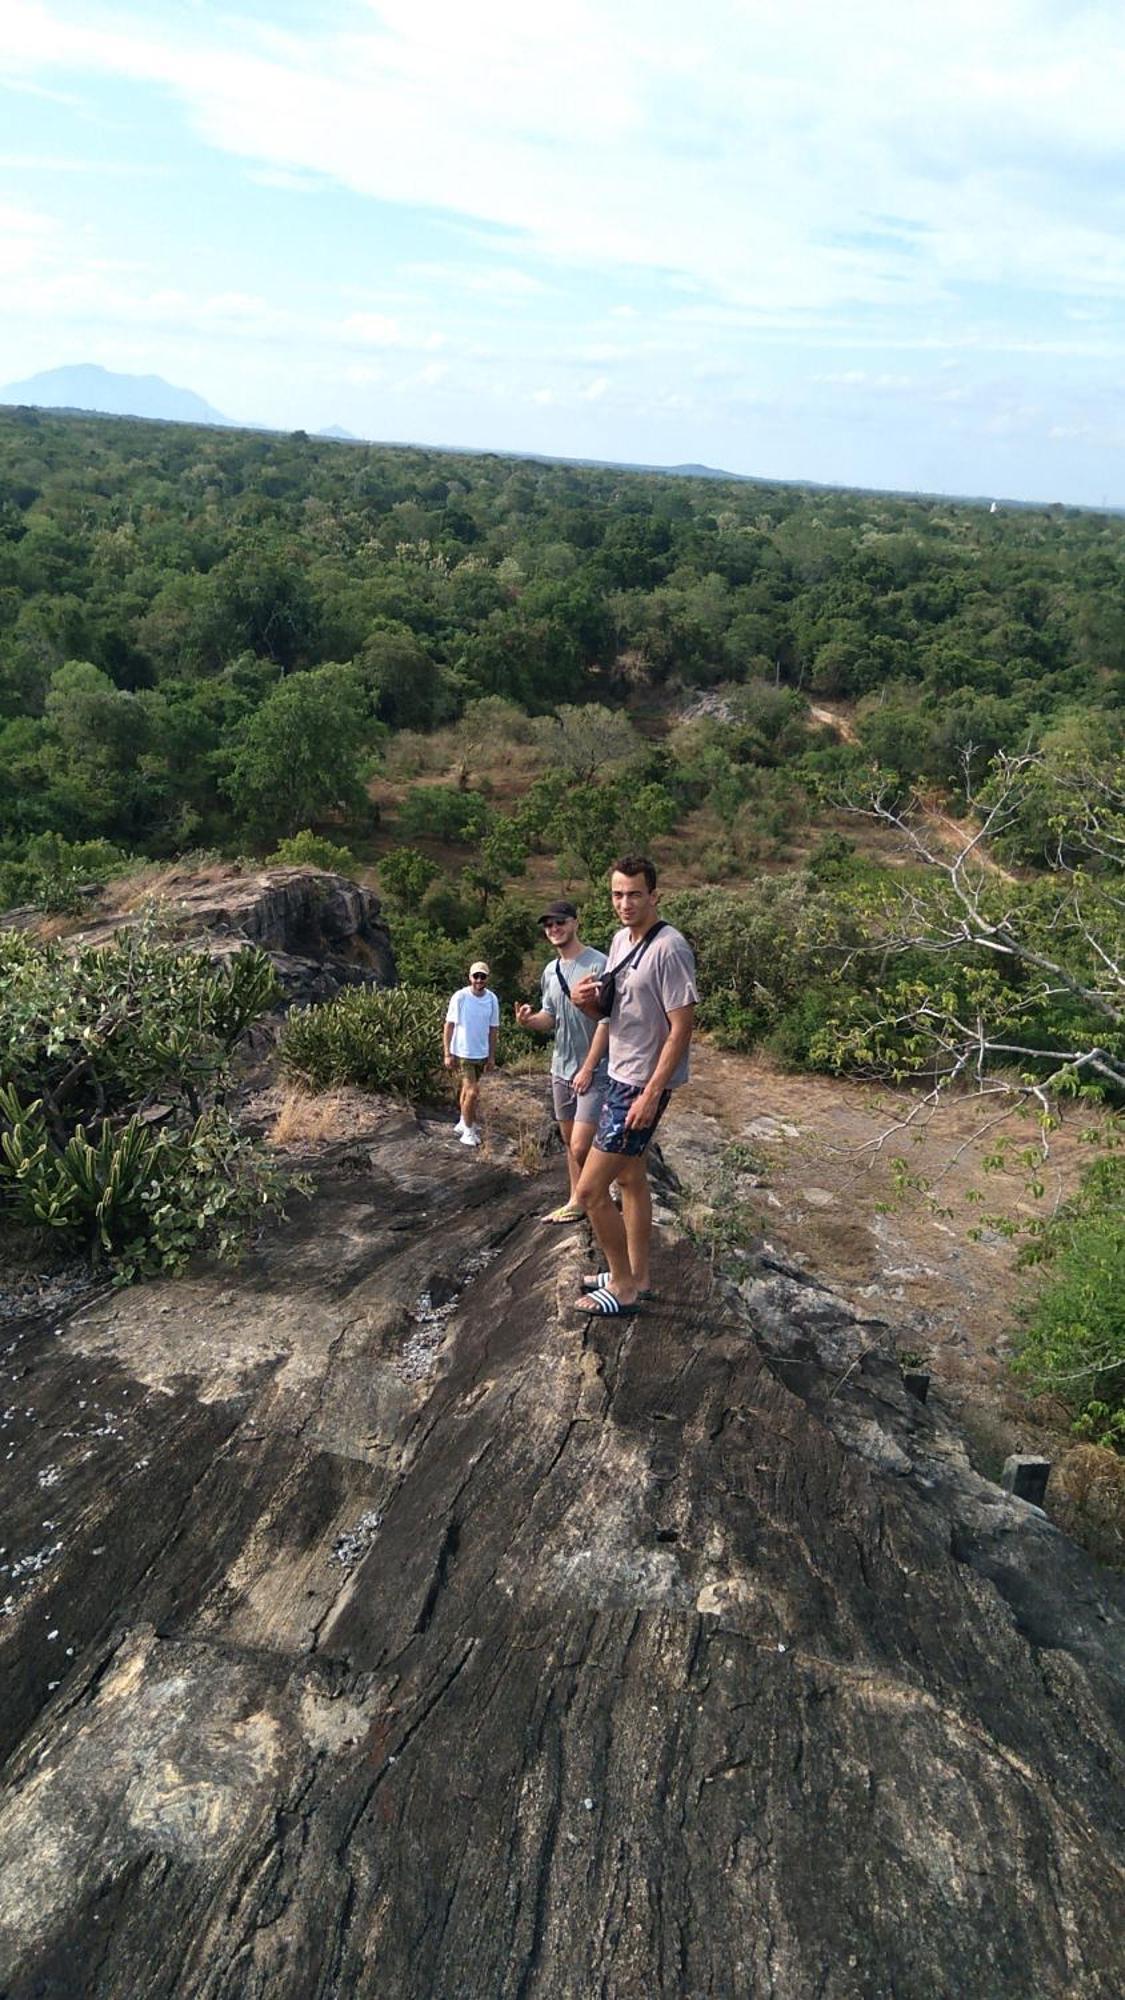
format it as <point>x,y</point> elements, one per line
<point>662,978</point>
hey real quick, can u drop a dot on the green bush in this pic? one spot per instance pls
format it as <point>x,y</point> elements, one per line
<point>405,875</point>
<point>141,1198</point>
<point>1072,1343</point>
<point>760,950</point>
<point>96,1033</point>
<point>54,873</point>
<point>110,1064</point>
<point>504,940</point>
<point>309,850</point>
<point>425,955</point>
<point>443,812</point>
<point>446,908</point>
<point>381,1038</point>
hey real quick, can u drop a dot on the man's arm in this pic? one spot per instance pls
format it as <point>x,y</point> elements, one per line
<point>543,1022</point>
<point>681,1022</point>
<point>584,994</point>
<point>446,1042</point>
<point>583,1077</point>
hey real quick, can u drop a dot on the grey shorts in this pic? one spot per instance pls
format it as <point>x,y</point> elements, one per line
<point>572,1110</point>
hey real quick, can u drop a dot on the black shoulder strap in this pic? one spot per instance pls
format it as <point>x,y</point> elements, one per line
<point>559,977</point>
<point>635,956</point>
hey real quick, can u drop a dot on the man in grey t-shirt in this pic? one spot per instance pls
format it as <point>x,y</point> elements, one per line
<point>647,1033</point>
<point>577,1086</point>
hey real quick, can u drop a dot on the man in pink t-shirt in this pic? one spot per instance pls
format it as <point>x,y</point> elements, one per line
<point>647,1033</point>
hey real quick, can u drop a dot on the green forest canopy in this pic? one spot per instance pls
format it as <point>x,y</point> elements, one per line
<point>184,610</point>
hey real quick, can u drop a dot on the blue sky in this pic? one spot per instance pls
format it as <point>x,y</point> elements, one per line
<point>881,244</point>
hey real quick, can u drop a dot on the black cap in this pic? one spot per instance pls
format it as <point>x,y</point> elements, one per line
<point>558,910</point>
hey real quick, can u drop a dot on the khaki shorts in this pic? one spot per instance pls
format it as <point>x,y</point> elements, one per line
<point>573,1110</point>
<point>471,1072</point>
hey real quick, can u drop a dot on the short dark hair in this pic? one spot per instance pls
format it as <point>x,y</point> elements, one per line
<point>636,864</point>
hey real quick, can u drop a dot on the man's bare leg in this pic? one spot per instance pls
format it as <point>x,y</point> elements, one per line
<point>597,1177</point>
<point>578,1152</point>
<point>566,1133</point>
<point>470,1097</point>
<point>636,1214</point>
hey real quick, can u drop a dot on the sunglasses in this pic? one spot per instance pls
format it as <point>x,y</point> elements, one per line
<point>478,975</point>
<point>555,923</point>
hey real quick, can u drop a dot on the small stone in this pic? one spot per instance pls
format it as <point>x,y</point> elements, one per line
<point>1026,1477</point>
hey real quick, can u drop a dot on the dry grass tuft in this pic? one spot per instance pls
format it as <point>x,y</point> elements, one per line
<point>1088,1489</point>
<point>304,1119</point>
<point>529,1142</point>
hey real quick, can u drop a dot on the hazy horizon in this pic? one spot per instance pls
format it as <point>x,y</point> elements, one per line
<point>861,250</point>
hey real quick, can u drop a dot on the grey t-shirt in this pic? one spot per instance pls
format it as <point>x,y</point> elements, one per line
<point>574,1031</point>
<point>662,978</point>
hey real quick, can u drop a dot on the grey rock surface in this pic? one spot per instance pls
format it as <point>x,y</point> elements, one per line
<point>323,931</point>
<point>375,1625</point>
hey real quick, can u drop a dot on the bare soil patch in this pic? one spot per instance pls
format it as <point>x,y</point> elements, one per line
<point>827,1201</point>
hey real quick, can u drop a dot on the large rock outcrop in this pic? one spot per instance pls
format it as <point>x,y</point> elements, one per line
<point>322,931</point>
<point>377,1626</point>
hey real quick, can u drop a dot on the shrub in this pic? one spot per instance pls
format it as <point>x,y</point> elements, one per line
<point>447,909</point>
<point>1073,1338</point>
<point>140,1197</point>
<point>97,1033</point>
<point>443,812</point>
<point>107,1060</point>
<point>309,850</point>
<point>54,873</point>
<point>425,955</point>
<point>405,875</point>
<point>381,1038</point>
<point>758,951</point>
<point>503,940</point>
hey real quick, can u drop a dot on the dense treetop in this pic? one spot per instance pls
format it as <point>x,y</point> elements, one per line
<point>166,590</point>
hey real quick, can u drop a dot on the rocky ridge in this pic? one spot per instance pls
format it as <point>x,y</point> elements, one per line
<point>375,1625</point>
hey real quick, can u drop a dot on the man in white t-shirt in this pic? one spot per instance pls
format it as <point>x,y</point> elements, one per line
<point>472,1022</point>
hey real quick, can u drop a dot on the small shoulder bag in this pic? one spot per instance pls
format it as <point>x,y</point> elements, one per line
<point>607,984</point>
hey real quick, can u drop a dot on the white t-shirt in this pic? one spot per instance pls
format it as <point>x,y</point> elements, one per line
<point>472,1015</point>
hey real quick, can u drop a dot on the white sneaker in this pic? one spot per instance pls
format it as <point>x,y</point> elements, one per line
<point>470,1136</point>
<point>459,1127</point>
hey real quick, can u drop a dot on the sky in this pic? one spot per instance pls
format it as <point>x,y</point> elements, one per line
<point>880,244</point>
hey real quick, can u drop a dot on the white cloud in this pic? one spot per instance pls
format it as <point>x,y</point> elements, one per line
<point>372,330</point>
<point>427,377</point>
<point>789,157</point>
<point>26,240</point>
<point>661,225</point>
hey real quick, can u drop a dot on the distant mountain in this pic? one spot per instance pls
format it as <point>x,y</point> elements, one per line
<point>338,432</point>
<point>87,387</point>
<point>701,472</point>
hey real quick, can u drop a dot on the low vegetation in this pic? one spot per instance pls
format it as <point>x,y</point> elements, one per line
<point>1073,1341</point>
<point>113,1133</point>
